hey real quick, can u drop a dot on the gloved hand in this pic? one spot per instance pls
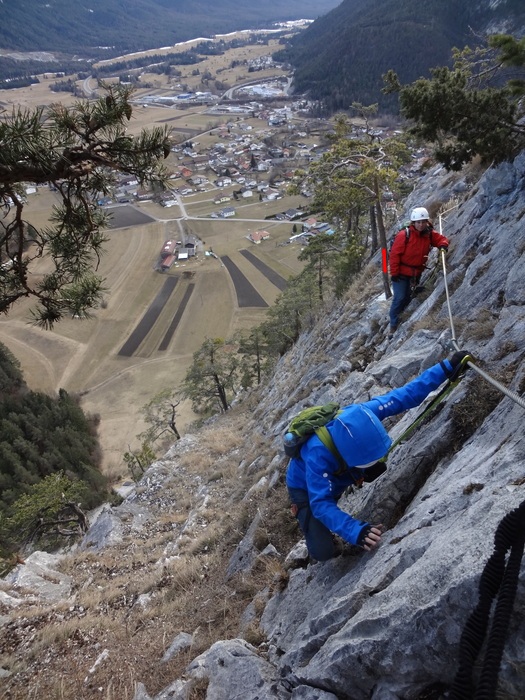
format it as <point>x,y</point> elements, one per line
<point>370,537</point>
<point>444,248</point>
<point>455,361</point>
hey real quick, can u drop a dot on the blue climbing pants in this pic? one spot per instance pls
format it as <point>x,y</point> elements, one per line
<point>319,539</point>
<point>402,296</point>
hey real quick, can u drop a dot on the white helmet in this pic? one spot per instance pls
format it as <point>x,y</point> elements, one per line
<point>419,214</point>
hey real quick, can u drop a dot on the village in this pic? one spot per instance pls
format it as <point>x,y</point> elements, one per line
<point>233,149</point>
<point>178,264</point>
<point>251,157</point>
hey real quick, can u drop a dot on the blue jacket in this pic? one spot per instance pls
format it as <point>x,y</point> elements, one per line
<point>361,439</point>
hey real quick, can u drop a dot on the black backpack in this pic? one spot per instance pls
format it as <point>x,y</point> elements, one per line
<point>407,238</point>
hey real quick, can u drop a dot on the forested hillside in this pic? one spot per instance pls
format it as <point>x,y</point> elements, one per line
<point>342,56</point>
<point>128,25</point>
<point>41,436</point>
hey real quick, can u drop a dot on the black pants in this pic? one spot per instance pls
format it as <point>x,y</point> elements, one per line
<point>319,539</point>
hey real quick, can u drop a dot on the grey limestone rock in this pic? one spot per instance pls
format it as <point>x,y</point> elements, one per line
<point>39,577</point>
<point>141,693</point>
<point>395,615</point>
<point>182,641</point>
<point>297,557</point>
<point>233,668</point>
<point>387,625</point>
<point>105,531</point>
<point>306,692</point>
<point>245,554</point>
<point>178,690</point>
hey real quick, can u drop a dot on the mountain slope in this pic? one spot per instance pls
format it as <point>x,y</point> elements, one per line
<point>182,591</point>
<point>63,25</point>
<point>341,57</point>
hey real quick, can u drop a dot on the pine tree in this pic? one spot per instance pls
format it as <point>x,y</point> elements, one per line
<point>474,109</point>
<point>348,180</point>
<point>213,377</point>
<point>294,311</point>
<point>50,510</point>
<point>160,413</point>
<point>253,348</point>
<point>78,151</point>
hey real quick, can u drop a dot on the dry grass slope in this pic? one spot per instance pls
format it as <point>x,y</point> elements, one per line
<point>134,598</point>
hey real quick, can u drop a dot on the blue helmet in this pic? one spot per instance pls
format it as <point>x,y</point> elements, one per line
<point>359,436</point>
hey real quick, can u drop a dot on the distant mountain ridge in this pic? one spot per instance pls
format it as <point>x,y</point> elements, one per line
<point>341,57</point>
<point>130,25</point>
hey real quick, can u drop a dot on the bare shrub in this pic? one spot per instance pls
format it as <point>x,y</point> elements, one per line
<point>362,287</point>
<point>438,206</point>
<point>207,541</point>
<point>430,321</point>
<point>186,572</point>
<point>483,327</point>
<point>506,348</point>
<point>196,461</point>
<point>474,170</point>
<point>198,689</point>
<point>254,635</point>
<point>469,413</point>
<point>223,439</point>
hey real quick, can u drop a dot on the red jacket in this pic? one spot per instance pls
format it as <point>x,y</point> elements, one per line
<point>409,257</point>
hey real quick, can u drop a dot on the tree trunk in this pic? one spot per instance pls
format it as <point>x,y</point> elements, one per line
<point>221,393</point>
<point>258,361</point>
<point>320,278</point>
<point>382,239</point>
<point>373,228</point>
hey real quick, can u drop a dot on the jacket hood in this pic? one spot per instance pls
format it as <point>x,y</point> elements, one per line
<point>359,436</point>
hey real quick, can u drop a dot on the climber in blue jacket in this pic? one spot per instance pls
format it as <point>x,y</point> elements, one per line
<point>316,481</point>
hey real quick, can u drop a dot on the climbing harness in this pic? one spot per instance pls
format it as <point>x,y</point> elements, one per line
<point>511,394</point>
<point>499,578</point>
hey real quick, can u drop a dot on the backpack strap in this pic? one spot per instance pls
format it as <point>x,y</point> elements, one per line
<point>325,437</point>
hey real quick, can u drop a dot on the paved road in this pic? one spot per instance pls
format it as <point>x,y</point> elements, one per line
<point>86,86</point>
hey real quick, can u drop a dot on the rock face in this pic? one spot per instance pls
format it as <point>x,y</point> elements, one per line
<point>387,625</point>
<point>384,625</point>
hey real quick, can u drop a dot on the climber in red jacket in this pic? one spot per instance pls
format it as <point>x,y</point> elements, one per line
<point>408,258</point>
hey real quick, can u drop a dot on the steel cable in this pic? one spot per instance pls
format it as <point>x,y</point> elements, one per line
<point>508,392</point>
<point>498,579</point>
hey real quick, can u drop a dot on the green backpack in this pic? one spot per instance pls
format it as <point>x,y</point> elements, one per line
<point>312,421</point>
<point>305,424</point>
